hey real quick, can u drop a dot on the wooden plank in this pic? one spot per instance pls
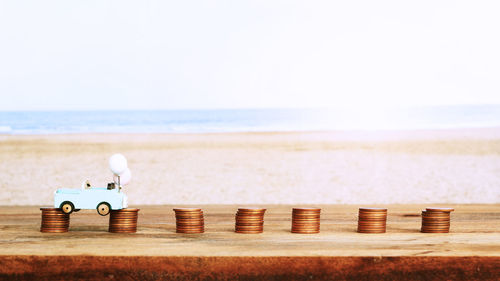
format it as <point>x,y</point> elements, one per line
<point>474,232</point>
<point>474,242</point>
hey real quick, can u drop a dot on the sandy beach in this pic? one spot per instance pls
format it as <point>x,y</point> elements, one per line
<point>447,166</point>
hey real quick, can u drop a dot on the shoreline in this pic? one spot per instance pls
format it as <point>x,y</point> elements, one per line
<point>492,133</point>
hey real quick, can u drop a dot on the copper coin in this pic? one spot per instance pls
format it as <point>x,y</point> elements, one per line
<point>190,218</point>
<point>437,222</point>
<point>249,217</point>
<point>198,228</point>
<point>190,225</point>
<point>436,226</point>
<point>191,221</point>
<point>187,209</point>
<point>436,215</point>
<point>306,217</point>
<point>49,209</point>
<point>307,209</point>
<point>126,210</point>
<point>54,225</point>
<point>122,213</point>
<point>434,230</point>
<point>249,229</point>
<point>372,214</point>
<point>189,215</point>
<point>123,222</point>
<point>435,218</point>
<point>371,228</point>
<point>250,220</point>
<point>372,219</point>
<point>305,227</point>
<point>122,217</point>
<point>305,224</point>
<point>440,209</point>
<point>371,223</point>
<point>249,224</point>
<point>372,209</point>
<point>251,209</point>
<point>122,227</point>
<point>305,221</point>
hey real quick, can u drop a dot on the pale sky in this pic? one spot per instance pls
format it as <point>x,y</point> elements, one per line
<point>96,54</point>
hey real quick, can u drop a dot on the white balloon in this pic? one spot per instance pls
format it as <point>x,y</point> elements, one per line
<point>125,177</point>
<point>117,163</point>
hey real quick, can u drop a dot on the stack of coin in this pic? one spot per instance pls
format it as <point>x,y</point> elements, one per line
<point>372,220</point>
<point>189,220</point>
<point>250,220</point>
<point>54,220</point>
<point>436,220</point>
<point>123,221</point>
<point>305,220</point>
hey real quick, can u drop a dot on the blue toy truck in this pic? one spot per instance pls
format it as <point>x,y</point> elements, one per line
<point>88,197</point>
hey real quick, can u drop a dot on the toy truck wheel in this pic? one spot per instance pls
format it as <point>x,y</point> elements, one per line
<point>67,207</point>
<point>103,209</point>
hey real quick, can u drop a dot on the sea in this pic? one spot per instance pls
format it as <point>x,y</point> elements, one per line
<point>248,120</point>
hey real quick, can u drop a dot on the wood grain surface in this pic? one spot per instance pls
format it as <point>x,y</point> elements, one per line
<point>88,251</point>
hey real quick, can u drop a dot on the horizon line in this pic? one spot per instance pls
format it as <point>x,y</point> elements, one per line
<point>246,108</point>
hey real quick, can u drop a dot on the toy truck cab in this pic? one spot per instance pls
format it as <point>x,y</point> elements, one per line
<point>88,197</point>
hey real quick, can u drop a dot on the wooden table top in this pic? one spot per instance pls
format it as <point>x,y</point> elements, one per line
<point>475,231</point>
